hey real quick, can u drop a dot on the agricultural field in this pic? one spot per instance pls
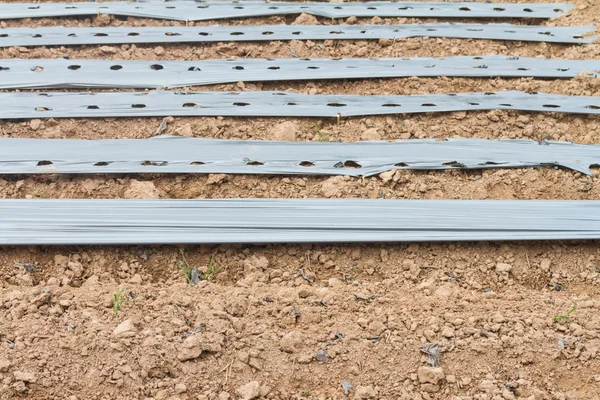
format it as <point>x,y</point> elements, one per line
<point>508,320</point>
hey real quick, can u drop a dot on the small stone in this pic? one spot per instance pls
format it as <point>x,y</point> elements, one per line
<point>430,375</point>
<point>332,186</point>
<point>387,175</point>
<point>185,130</point>
<point>430,388</point>
<point>159,50</point>
<point>34,124</point>
<point>224,396</point>
<point>27,377</point>
<point>108,50</point>
<point>286,131</point>
<point>180,388</point>
<point>385,42</point>
<point>124,327</point>
<point>351,20</point>
<point>450,379</point>
<point>141,190</point>
<point>306,19</point>
<point>502,267</point>
<point>291,342</point>
<point>448,332</point>
<point>249,391</point>
<point>370,134</point>
<point>5,365</point>
<point>365,392</point>
<point>136,279</point>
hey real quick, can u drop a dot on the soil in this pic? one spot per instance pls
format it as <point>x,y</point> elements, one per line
<point>513,320</point>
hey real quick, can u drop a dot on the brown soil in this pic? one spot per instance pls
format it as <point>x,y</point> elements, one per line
<point>259,326</point>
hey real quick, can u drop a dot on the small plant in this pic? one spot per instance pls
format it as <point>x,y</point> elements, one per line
<point>566,316</point>
<point>323,135</point>
<point>119,298</point>
<point>212,269</point>
<point>306,393</point>
<point>185,268</point>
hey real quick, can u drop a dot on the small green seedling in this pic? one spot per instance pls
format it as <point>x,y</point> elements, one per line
<point>185,268</point>
<point>212,269</point>
<point>566,316</point>
<point>119,298</point>
<point>306,393</point>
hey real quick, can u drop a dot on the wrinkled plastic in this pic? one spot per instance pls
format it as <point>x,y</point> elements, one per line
<point>166,103</point>
<point>70,73</point>
<point>201,11</point>
<point>61,36</point>
<point>89,222</point>
<point>203,156</point>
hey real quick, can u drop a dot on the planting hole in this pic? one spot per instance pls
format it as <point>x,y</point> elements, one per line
<point>551,106</point>
<point>306,164</point>
<point>37,69</point>
<point>138,106</point>
<point>74,67</point>
<point>238,67</point>
<point>156,67</point>
<point>42,109</point>
<point>401,164</point>
<point>197,163</point>
<point>44,162</point>
<point>93,107</point>
<point>273,68</point>
<point>241,104</point>
<point>116,67</point>
<point>101,34</point>
<point>454,164</point>
<point>154,163</point>
<point>191,105</point>
<point>352,164</point>
<point>336,105</point>
<point>101,164</point>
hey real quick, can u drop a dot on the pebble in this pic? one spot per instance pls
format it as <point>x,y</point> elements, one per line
<point>371,134</point>
<point>124,327</point>
<point>306,19</point>
<point>430,375</point>
<point>286,131</point>
<point>25,377</point>
<point>159,50</point>
<point>141,190</point>
<point>502,267</point>
<point>249,391</point>
<point>365,392</point>
<point>291,342</point>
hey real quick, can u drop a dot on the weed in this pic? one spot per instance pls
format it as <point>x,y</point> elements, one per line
<point>185,268</point>
<point>566,316</point>
<point>119,298</point>
<point>323,135</point>
<point>306,393</point>
<point>212,269</point>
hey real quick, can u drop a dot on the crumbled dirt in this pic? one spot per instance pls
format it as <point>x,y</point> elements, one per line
<point>513,320</point>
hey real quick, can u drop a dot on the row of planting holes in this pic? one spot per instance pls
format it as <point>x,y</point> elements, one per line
<point>37,35</point>
<point>498,9</point>
<point>242,104</point>
<point>340,164</point>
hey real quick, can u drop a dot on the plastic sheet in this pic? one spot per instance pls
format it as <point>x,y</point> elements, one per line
<point>200,11</point>
<point>87,222</point>
<point>190,155</point>
<point>59,36</point>
<point>166,103</point>
<point>70,73</point>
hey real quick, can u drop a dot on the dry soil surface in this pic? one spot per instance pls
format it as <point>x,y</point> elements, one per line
<point>511,320</point>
